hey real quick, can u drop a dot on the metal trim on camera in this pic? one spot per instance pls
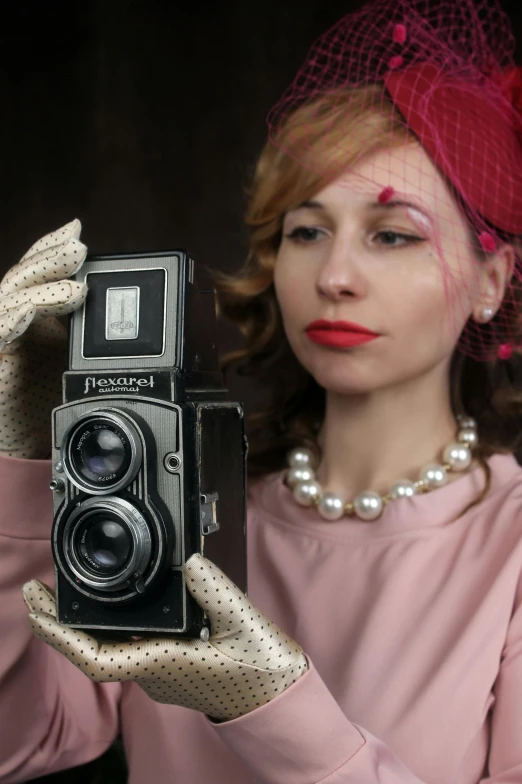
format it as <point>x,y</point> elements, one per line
<point>102,446</point>
<point>106,512</point>
<point>209,521</point>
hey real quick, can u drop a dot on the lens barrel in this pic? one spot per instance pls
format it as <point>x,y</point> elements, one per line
<point>104,543</point>
<point>102,452</point>
<point>107,543</point>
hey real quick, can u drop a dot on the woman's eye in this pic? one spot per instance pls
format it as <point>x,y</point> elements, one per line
<point>394,239</point>
<point>304,234</point>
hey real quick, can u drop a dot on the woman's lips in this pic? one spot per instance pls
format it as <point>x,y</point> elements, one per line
<point>340,334</point>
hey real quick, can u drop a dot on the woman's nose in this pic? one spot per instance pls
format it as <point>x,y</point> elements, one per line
<point>340,276</point>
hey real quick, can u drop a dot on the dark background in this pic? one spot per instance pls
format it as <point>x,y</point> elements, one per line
<point>143,119</point>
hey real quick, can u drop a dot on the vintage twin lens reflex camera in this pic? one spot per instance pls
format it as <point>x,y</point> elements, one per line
<point>148,453</point>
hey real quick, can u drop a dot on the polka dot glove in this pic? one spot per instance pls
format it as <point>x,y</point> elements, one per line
<point>246,662</point>
<point>32,294</point>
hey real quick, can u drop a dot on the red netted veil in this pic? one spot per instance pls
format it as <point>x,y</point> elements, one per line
<point>446,70</point>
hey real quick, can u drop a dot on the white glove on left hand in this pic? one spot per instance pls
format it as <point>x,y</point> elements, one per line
<point>33,343</point>
<point>247,661</point>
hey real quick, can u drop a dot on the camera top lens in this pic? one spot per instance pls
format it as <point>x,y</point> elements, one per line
<point>102,452</point>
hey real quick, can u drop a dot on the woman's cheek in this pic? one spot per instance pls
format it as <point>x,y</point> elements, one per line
<point>291,298</point>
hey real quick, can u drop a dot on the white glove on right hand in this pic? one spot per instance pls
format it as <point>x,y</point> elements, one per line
<point>32,361</point>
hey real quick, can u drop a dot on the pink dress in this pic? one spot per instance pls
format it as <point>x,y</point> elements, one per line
<point>413,626</point>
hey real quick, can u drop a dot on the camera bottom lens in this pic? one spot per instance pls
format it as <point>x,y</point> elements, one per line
<point>105,544</point>
<point>107,541</point>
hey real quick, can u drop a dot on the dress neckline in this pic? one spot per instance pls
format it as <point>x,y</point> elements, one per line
<point>427,512</point>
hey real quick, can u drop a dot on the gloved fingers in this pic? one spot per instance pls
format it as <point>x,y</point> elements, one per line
<point>239,629</point>
<point>99,659</point>
<point>80,648</point>
<point>69,296</point>
<point>39,598</point>
<point>14,323</point>
<point>49,299</point>
<point>56,256</point>
<point>71,230</point>
<point>106,662</point>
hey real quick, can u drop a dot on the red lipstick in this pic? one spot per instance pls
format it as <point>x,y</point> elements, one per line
<point>339,334</point>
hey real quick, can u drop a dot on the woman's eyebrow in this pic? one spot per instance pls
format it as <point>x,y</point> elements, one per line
<point>312,204</point>
<point>400,203</point>
<point>308,205</point>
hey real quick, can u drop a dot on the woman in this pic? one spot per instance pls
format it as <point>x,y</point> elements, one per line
<point>391,548</point>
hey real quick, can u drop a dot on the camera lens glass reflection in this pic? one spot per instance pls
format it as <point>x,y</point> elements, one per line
<point>100,452</point>
<point>106,545</point>
<point>103,452</point>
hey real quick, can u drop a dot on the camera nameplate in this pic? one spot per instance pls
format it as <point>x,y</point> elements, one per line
<point>122,313</point>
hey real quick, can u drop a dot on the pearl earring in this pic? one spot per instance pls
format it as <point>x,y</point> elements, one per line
<point>487,313</point>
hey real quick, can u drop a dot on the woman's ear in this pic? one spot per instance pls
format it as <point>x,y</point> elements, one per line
<point>495,273</point>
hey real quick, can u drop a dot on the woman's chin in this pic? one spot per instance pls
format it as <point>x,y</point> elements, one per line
<point>344,387</point>
<point>358,377</point>
<point>346,380</point>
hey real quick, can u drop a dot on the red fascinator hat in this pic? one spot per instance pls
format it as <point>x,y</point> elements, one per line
<point>472,132</point>
<point>447,66</point>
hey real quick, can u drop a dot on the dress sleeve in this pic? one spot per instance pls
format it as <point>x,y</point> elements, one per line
<point>51,716</point>
<point>505,752</point>
<point>303,737</point>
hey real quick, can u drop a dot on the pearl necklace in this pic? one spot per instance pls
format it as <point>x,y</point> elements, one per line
<point>368,505</point>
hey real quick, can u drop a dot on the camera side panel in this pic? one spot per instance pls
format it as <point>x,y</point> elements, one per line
<point>222,453</point>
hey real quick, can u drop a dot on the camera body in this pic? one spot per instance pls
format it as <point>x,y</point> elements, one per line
<point>148,453</point>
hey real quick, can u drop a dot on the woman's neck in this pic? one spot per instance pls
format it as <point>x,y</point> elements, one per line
<point>370,441</point>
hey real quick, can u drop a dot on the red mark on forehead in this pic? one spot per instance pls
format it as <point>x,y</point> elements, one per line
<point>385,195</point>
